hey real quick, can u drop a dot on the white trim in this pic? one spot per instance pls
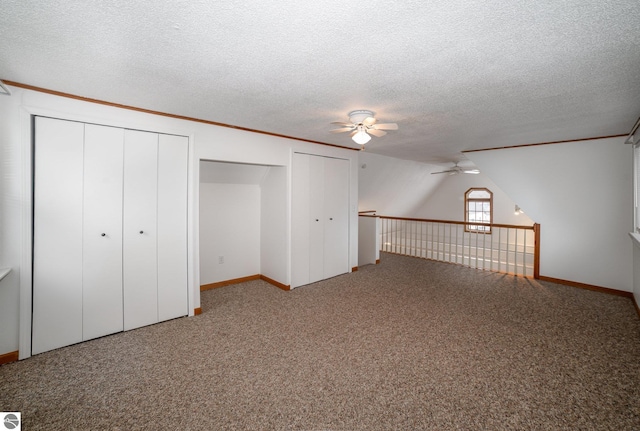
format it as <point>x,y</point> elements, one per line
<point>24,341</point>
<point>635,238</point>
<point>193,254</point>
<point>5,89</point>
<point>4,272</point>
<point>634,139</point>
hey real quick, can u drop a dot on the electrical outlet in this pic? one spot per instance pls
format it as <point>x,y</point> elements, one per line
<point>220,259</point>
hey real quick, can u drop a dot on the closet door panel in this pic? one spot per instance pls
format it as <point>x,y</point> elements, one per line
<point>300,219</point>
<point>173,163</point>
<point>336,217</point>
<point>102,236</point>
<point>57,234</point>
<point>140,259</point>
<point>317,219</point>
<point>320,218</point>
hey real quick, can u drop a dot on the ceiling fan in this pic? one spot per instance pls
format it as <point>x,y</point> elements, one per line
<point>457,170</point>
<point>362,124</point>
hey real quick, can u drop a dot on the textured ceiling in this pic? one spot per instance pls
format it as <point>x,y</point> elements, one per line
<point>455,75</point>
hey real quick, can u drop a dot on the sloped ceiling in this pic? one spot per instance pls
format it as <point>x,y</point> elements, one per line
<point>455,75</point>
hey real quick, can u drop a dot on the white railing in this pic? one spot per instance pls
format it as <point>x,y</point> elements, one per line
<point>504,248</point>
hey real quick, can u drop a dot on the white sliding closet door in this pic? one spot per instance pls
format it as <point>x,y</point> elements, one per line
<point>57,234</point>
<point>320,218</point>
<point>173,164</point>
<point>336,216</point>
<point>317,220</point>
<point>102,231</point>
<point>140,263</point>
<point>110,231</point>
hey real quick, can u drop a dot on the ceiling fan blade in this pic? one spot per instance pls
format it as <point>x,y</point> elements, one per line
<point>353,133</point>
<point>343,129</point>
<point>471,171</point>
<point>386,126</point>
<point>369,121</point>
<point>375,132</point>
<point>342,123</point>
<point>444,172</point>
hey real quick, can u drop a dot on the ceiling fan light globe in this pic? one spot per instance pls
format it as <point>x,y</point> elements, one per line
<point>361,137</point>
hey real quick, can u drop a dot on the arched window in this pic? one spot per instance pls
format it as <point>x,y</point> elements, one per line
<point>478,208</point>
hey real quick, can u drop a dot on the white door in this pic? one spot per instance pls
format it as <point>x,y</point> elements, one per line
<point>300,219</point>
<point>320,218</point>
<point>57,234</point>
<point>336,217</point>
<point>173,163</point>
<point>140,259</point>
<point>110,231</point>
<point>102,231</point>
<point>316,178</point>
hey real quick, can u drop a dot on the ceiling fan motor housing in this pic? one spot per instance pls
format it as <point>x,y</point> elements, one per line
<point>358,116</point>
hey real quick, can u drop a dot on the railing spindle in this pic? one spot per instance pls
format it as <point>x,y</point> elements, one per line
<point>515,257</point>
<point>492,246</point>
<point>395,236</point>
<point>414,229</point>
<point>462,261</point>
<point>431,239</point>
<point>420,234</point>
<point>475,254</point>
<point>406,230</point>
<point>484,248</point>
<point>524,254</point>
<point>392,241</point>
<point>507,257</point>
<point>449,241</point>
<point>387,243</point>
<point>499,249</point>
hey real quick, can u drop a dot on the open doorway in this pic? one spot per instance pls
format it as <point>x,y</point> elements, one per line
<point>243,223</point>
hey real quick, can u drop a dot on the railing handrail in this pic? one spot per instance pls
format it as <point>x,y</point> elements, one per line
<point>510,226</point>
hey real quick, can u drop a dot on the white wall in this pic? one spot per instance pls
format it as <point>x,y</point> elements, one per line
<point>11,207</point>
<point>273,224</point>
<point>245,223</point>
<point>229,228</point>
<point>581,194</point>
<point>207,142</point>
<point>369,240</point>
<point>447,201</point>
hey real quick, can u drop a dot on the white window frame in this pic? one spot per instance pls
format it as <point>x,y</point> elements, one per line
<point>467,199</point>
<point>634,139</point>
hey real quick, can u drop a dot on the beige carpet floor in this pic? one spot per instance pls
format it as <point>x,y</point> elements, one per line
<point>408,344</point>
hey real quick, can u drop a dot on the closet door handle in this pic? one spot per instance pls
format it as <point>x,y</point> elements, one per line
<point>103,234</point>
<point>317,220</point>
<point>141,232</point>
